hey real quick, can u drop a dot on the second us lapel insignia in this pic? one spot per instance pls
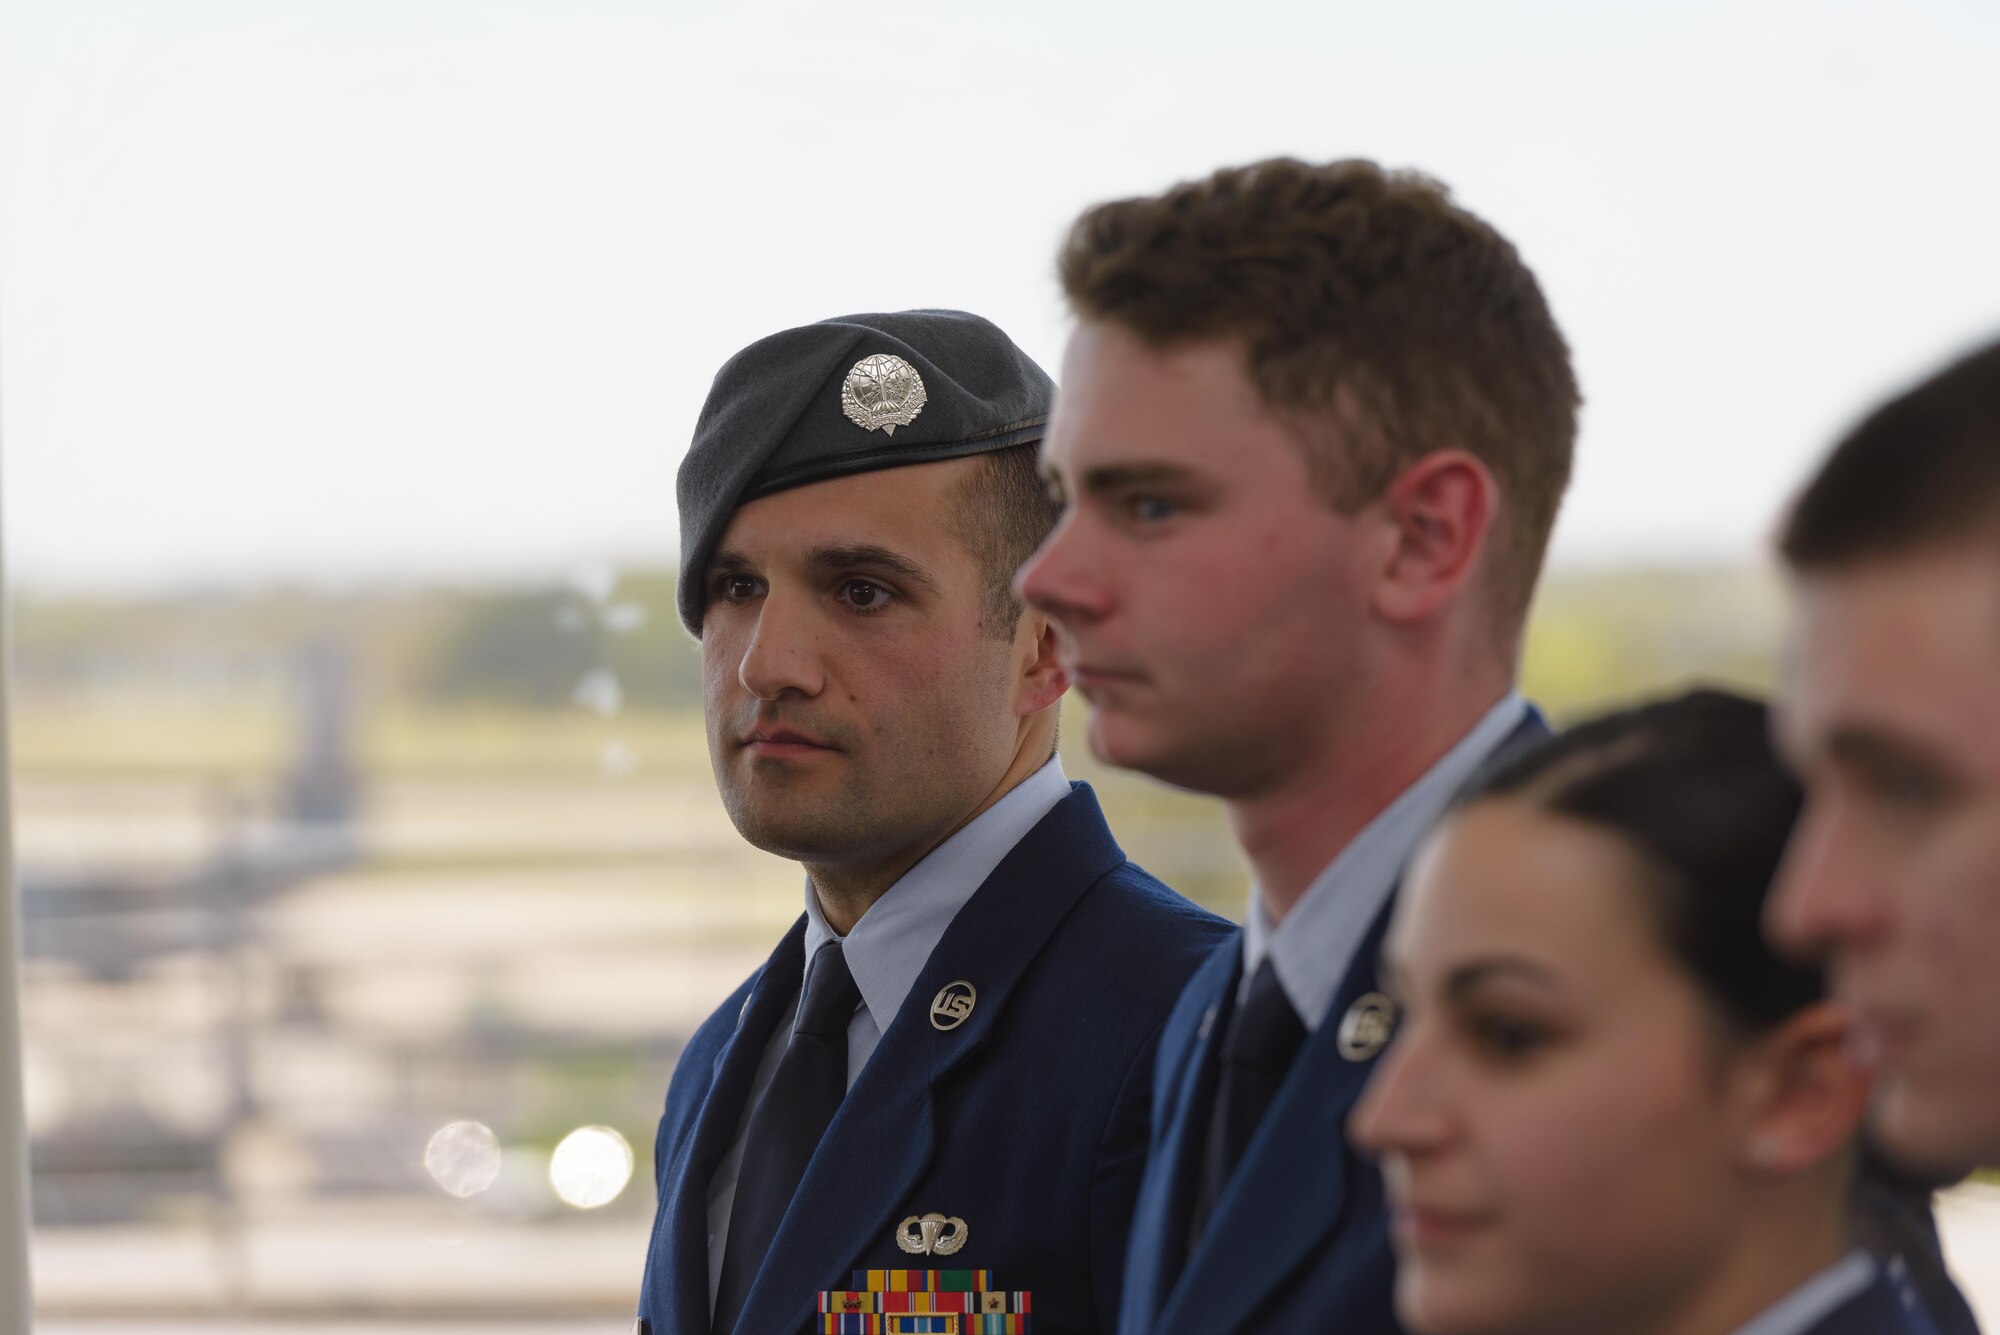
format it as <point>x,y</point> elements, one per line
<point>953,1004</point>
<point>884,392</point>
<point>1367,1027</point>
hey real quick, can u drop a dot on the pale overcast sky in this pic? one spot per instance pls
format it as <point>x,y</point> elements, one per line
<point>400,288</point>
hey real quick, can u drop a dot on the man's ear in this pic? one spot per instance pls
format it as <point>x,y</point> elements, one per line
<point>1439,512</point>
<point>1809,1094</point>
<point>1039,679</point>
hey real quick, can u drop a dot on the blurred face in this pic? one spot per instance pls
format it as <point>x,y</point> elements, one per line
<point>1556,1119</point>
<point>855,706</point>
<point>1890,709</point>
<point>1208,602</point>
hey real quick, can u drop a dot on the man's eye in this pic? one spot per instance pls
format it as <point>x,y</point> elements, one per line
<point>864,595</point>
<point>736,588</point>
<point>1909,789</point>
<point>1150,509</point>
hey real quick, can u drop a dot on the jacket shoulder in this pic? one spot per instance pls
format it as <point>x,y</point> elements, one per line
<point>1128,898</point>
<point>1132,943</point>
<point>1120,954</point>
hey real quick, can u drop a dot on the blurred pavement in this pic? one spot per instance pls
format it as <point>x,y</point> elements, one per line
<point>1970,1217</point>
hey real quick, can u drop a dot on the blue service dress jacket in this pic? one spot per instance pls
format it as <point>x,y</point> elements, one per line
<point>1883,1308</point>
<point>1299,1239</point>
<point>1028,1121</point>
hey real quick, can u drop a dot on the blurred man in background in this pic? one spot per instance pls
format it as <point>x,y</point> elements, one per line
<point>947,1060</point>
<point>1890,708</point>
<point>1314,428</point>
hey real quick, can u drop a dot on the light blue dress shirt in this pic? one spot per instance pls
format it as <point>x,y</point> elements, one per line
<point>886,951</point>
<point>1315,944</point>
<point>1808,1304</point>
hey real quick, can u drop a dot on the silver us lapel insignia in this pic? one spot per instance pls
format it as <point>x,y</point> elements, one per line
<point>952,1005</point>
<point>1367,1027</point>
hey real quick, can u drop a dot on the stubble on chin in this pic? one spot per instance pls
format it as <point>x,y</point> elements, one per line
<point>776,810</point>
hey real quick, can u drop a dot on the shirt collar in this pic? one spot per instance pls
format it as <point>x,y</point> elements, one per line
<point>888,948</point>
<point>1810,1303</point>
<point>1314,946</point>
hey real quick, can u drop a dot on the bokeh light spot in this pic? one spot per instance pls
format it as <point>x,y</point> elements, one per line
<point>616,760</point>
<point>624,618</point>
<point>600,693</point>
<point>595,580</point>
<point>590,1167</point>
<point>463,1157</point>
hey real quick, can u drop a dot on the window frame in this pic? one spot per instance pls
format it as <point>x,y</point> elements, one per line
<point>17,1312</point>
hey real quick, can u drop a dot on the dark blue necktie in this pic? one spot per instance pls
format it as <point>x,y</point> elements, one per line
<point>804,1093</point>
<point>1264,1035</point>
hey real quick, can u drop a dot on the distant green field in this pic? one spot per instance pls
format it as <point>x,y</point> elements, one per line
<point>158,687</point>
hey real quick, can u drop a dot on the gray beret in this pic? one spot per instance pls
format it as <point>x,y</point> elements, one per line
<point>848,396</point>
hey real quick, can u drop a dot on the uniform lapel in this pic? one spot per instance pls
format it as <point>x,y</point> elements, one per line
<point>1272,1215</point>
<point>771,1002</point>
<point>885,1135</point>
<point>1876,1310</point>
<point>1531,729</point>
<point>1292,1188</point>
<point>1173,1168</point>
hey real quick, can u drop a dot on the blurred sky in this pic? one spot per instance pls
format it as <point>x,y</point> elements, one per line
<point>365,289</point>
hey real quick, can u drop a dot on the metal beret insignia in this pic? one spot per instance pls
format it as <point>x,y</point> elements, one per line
<point>882,391</point>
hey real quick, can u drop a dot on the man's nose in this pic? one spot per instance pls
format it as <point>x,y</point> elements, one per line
<point>1064,578</point>
<point>1821,901</point>
<point>783,655</point>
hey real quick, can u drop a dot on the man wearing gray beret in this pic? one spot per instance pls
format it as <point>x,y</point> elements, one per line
<point>933,1098</point>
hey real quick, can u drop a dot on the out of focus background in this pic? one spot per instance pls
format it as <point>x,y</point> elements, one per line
<point>371,873</point>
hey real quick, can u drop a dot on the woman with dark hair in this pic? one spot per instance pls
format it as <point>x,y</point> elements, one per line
<point>1610,1108</point>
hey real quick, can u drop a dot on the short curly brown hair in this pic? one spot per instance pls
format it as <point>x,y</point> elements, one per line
<point>1377,316</point>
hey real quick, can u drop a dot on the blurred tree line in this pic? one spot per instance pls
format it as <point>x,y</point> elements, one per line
<point>522,647</point>
<point>533,647</point>
<point>1596,638</point>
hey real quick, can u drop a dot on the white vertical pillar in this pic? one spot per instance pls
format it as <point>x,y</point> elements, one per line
<point>16,1303</point>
